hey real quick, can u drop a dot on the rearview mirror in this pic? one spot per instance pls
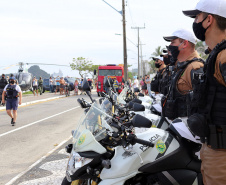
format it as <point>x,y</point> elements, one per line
<point>138,107</point>
<point>85,85</point>
<point>141,94</point>
<point>136,90</point>
<point>95,72</point>
<point>141,121</point>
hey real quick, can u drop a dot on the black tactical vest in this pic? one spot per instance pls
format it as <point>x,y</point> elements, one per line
<point>213,103</point>
<point>175,104</point>
<point>165,81</point>
<point>3,83</point>
<point>156,81</point>
<point>11,92</point>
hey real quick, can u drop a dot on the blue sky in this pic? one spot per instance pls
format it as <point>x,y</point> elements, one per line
<point>55,31</point>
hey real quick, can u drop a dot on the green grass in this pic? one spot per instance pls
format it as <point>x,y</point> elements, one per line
<point>30,92</point>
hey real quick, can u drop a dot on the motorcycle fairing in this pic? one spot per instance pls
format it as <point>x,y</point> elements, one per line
<point>131,163</point>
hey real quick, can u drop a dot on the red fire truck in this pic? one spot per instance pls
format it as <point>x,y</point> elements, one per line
<point>112,71</point>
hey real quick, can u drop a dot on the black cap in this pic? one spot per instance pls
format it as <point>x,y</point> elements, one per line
<point>155,59</point>
<point>191,13</point>
<point>170,38</point>
<point>3,74</point>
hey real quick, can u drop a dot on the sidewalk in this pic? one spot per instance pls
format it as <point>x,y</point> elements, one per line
<point>31,99</point>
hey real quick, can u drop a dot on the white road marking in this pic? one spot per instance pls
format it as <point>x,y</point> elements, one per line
<point>6,133</point>
<point>30,167</point>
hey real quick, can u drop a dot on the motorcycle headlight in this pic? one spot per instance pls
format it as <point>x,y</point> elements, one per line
<point>75,162</point>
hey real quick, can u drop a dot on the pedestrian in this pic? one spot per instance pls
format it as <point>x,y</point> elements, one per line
<point>148,82</point>
<point>7,78</point>
<point>62,86</point>
<point>35,85</point>
<point>50,84</point>
<point>12,91</point>
<point>129,80</point>
<point>54,84</point>
<point>210,26</point>
<point>3,83</point>
<point>143,85</point>
<point>90,84</point>
<point>135,83</point>
<point>187,62</point>
<point>57,84</point>
<point>81,86</point>
<point>76,87</point>
<point>40,85</point>
<point>115,84</point>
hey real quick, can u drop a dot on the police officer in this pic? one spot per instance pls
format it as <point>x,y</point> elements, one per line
<point>210,26</point>
<point>40,85</point>
<point>187,61</point>
<point>115,85</point>
<point>155,83</point>
<point>3,83</point>
<point>12,90</point>
<point>166,76</point>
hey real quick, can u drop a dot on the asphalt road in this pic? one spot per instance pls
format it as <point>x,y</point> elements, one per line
<point>39,129</point>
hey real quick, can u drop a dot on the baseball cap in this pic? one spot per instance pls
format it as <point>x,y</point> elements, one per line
<point>183,34</point>
<point>158,58</point>
<point>216,7</point>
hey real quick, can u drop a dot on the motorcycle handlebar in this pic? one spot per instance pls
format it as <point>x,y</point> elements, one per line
<point>143,142</point>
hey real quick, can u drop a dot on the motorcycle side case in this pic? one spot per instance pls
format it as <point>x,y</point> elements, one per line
<point>125,163</point>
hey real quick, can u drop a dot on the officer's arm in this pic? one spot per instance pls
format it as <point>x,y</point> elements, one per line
<point>3,97</point>
<point>223,70</point>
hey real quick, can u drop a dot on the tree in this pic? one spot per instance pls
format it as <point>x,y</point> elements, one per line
<point>200,47</point>
<point>158,51</point>
<point>91,70</point>
<point>130,75</point>
<point>82,65</point>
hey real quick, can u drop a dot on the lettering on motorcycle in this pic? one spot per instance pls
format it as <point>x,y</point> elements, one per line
<point>127,154</point>
<point>152,139</point>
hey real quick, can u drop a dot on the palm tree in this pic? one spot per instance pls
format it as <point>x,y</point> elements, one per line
<point>158,51</point>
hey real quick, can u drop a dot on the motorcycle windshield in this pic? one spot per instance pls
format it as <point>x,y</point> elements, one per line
<point>122,96</point>
<point>106,106</point>
<point>92,126</point>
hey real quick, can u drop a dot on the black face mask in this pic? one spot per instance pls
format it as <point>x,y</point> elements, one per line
<point>11,81</point>
<point>199,31</point>
<point>157,65</point>
<point>167,60</point>
<point>174,51</point>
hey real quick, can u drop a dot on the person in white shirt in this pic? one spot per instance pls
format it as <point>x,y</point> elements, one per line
<point>135,83</point>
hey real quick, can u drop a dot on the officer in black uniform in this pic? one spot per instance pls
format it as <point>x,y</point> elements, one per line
<point>12,92</point>
<point>3,83</point>
<point>155,83</point>
<point>166,76</point>
<point>187,61</point>
<point>210,121</point>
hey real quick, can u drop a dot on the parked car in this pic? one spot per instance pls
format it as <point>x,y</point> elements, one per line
<point>70,81</point>
<point>46,85</point>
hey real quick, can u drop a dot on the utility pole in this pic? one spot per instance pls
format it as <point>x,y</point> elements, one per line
<point>138,45</point>
<point>142,63</point>
<point>124,36</point>
<point>124,41</point>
